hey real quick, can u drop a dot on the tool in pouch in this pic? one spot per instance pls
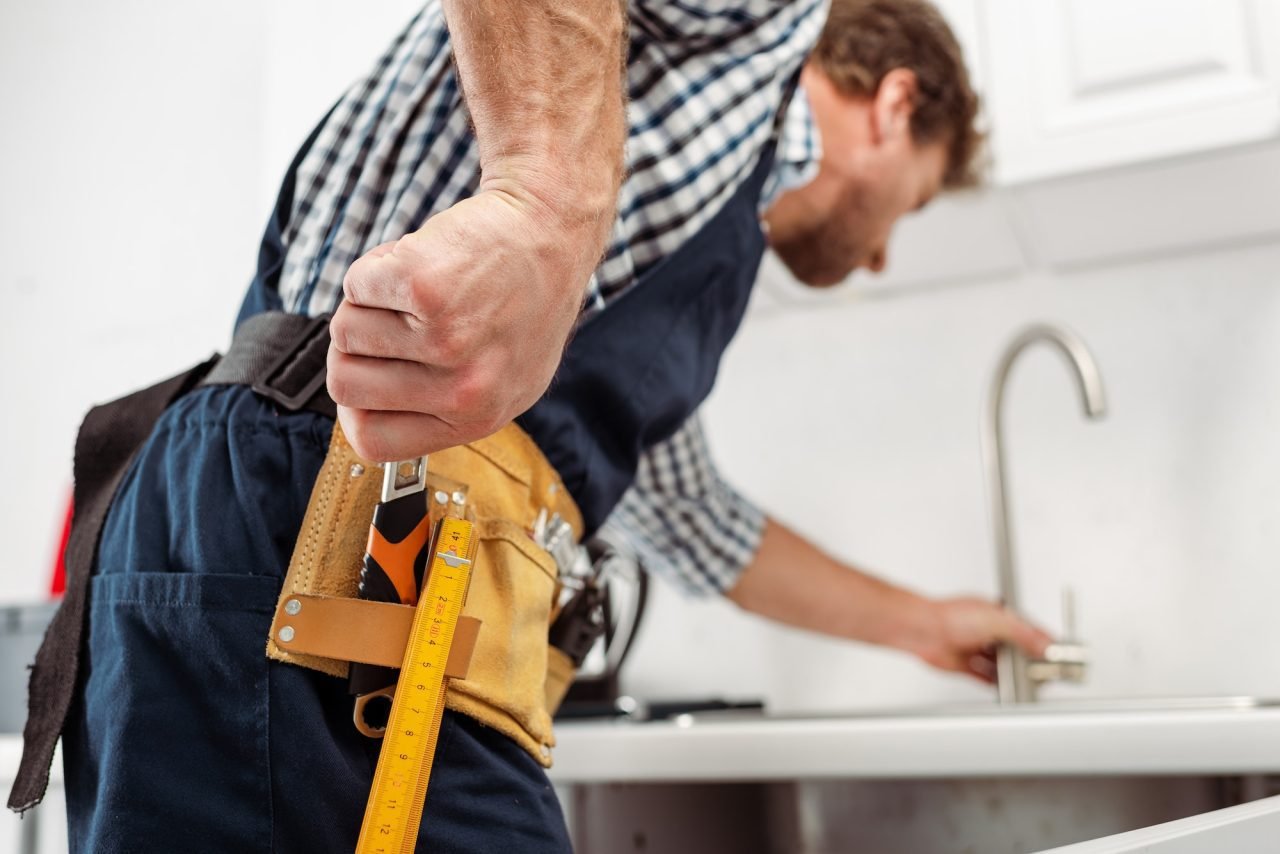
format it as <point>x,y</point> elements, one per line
<point>401,552</point>
<point>581,619</point>
<point>395,560</point>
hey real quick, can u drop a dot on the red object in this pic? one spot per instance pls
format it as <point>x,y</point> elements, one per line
<point>58,584</point>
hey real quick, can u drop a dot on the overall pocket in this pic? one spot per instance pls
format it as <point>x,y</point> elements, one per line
<point>167,748</point>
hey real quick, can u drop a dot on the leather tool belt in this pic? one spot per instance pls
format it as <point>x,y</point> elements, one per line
<point>505,673</point>
<point>515,679</point>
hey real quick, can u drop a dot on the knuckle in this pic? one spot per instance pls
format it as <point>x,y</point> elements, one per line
<point>340,331</point>
<point>415,337</point>
<point>337,377</point>
<point>471,396</point>
<point>365,439</point>
<point>423,298</point>
<point>481,408</point>
<point>355,428</point>
<point>353,281</point>
<point>446,348</point>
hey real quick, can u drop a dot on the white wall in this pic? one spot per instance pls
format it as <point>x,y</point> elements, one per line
<point>144,142</point>
<point>128,224</point>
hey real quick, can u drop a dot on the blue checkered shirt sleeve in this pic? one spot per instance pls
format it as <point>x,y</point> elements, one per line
<point>685,522</point>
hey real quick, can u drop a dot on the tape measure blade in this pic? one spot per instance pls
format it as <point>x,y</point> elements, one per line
<point>408,747</point>
<point>419,802</point>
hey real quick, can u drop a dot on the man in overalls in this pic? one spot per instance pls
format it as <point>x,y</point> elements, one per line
<point>458,244</point>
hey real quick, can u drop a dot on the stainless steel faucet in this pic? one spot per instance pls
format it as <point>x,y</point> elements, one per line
<point>1018,676</point>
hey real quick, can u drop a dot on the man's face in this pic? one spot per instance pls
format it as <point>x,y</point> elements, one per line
<point>872,172</point>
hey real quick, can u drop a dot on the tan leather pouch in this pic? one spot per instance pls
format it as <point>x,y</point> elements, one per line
<point>509,605</point>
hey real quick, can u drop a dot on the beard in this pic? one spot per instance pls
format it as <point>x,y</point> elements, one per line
<point>820,255</point>
<point>825,249</point>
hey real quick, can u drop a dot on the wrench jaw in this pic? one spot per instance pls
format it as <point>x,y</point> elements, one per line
<point>372,711</point>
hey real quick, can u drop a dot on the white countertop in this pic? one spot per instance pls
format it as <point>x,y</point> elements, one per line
<point>998,743</point>
<point>1039,743</point>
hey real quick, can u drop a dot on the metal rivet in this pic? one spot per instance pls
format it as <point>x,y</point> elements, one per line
<point>406,470</point>
<point>459,498</point>
<point>442,497</point>
<point>357,470</point>
<point>286,634</point>
<point>292,607</point>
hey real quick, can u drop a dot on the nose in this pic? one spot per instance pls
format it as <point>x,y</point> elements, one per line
<point>878,260</point>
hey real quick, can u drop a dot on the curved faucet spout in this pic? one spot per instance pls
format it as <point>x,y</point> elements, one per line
<point>1014,683</point>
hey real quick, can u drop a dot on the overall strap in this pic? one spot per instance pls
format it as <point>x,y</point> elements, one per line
<point>282,357</point>
<point>109,437</point>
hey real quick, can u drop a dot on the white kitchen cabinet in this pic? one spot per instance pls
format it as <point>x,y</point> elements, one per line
<point>1080,85</point>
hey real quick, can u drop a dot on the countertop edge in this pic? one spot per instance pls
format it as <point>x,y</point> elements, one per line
<point>1068,744</point>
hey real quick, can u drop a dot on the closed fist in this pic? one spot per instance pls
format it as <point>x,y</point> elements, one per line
<point>447,334</point>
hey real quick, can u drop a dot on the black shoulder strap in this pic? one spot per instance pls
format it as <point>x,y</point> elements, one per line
<point>109,437</point>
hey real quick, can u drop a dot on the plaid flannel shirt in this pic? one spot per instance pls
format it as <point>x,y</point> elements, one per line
<point>705,80</point>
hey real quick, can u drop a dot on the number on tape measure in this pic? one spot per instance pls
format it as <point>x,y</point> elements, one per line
<point>399,790</point>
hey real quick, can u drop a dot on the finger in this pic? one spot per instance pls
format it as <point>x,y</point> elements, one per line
<point>982,668</point>
<point>380,279</point>
<point>1030,639</point>
<point>377,332</point>
<point>459,398</point>
<point>394,385</point>
<point>392,436</point>
<point>382,249</point>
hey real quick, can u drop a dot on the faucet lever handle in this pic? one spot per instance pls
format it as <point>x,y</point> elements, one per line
<point>1062,662</point>
<point>1066,660</point>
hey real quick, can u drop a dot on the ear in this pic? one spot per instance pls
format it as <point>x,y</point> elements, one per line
<point>892,106</point>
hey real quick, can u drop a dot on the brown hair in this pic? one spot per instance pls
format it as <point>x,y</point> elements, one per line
<point>866,39</point>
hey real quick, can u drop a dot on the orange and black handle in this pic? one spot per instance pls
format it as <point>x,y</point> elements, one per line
<point>394,562</point>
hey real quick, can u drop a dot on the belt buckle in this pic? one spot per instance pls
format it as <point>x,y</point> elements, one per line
<point>268,385</point>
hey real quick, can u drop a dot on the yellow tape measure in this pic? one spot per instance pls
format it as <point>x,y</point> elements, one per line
<point>394,812</point>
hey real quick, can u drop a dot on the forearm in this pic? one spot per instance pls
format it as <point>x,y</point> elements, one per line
<point>792,581</point>
<point>543,82</point>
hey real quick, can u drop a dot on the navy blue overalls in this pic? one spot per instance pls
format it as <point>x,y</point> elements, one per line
<point>186,737</point>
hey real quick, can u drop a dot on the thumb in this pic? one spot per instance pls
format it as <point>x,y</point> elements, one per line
<point>1031,639</point>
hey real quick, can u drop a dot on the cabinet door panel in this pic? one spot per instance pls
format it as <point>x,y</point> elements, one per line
<point>1085,84</point>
